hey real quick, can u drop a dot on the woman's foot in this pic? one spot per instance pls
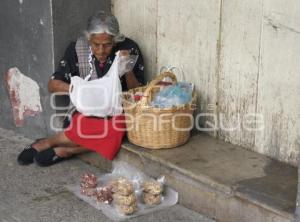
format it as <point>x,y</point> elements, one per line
<point>29,152</point>
<point>27,155</point>
<point>51,156</point>
<point>54,155</point>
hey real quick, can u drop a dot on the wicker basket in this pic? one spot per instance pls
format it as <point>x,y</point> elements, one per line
<point>157,128</point>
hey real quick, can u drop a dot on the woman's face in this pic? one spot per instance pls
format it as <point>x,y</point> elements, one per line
<point>101,45</point>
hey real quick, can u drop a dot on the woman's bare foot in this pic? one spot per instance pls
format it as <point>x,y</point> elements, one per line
<point>54,155</point>
<point>41,144</point>
<point>67,152</point>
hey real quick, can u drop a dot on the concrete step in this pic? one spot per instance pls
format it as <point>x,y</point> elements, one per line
<point>217,179</point>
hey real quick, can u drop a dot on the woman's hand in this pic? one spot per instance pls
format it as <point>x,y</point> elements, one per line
<point>57,86</point>
<point>131,80</point>
<point>124,52</point>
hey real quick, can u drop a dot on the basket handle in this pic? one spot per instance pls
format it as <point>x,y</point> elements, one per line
<point>146,97</point>
<point>173,69</point>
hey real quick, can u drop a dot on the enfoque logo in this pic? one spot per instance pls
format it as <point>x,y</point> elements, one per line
<point>204,122</point>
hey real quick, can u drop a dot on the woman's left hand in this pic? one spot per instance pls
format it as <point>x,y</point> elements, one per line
<point>124,52</point>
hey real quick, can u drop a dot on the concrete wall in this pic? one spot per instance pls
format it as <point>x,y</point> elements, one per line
<point>26,42</point>
<point>243,57</point>
<point>34,35</point>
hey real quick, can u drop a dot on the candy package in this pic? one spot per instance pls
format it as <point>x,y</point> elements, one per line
<point>174,95</point>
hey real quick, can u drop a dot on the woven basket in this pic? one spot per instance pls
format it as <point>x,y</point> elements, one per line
<point>157,128</point>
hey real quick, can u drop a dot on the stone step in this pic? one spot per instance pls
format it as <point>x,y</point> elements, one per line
<point>217,179</point>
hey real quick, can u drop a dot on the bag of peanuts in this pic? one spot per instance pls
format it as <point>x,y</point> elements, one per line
<point>153,191</point>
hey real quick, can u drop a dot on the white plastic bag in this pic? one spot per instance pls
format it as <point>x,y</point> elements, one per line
<point>100,97</point>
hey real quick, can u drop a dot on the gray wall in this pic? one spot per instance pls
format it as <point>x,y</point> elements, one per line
<point>27,44</point>
<point>34,35</point>
<point>243,57</point>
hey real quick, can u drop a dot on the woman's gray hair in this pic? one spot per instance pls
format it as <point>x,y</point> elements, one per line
<point>103,22</point>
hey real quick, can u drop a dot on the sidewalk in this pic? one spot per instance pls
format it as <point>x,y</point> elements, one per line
<point>32,193</point>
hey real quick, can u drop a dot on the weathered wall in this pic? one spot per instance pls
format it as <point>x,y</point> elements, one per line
<point>34,35</point>
<point>26,42</point>
<point>243,57</point>
<point>144,31</point>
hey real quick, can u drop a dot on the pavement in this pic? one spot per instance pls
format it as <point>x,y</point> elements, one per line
<point>32,193</point>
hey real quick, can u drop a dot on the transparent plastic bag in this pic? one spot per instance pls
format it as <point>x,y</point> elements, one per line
<point>178,94</point>
<point>173,69</point>
<point>124,170</point>
<point>127,63</point>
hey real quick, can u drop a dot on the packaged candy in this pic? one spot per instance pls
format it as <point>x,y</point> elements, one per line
<point>178,94</point>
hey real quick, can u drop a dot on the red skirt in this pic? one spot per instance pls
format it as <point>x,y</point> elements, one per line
<point>101,135</point>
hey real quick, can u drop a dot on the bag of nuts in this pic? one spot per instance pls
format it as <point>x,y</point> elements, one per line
<point>152,191</point>
<point>88,183</point>
<point>124,196</point>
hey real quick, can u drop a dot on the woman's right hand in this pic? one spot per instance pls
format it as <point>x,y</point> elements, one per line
<point>58,86</point>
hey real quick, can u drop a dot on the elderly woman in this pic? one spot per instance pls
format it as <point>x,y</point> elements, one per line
<point>92,54</point>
